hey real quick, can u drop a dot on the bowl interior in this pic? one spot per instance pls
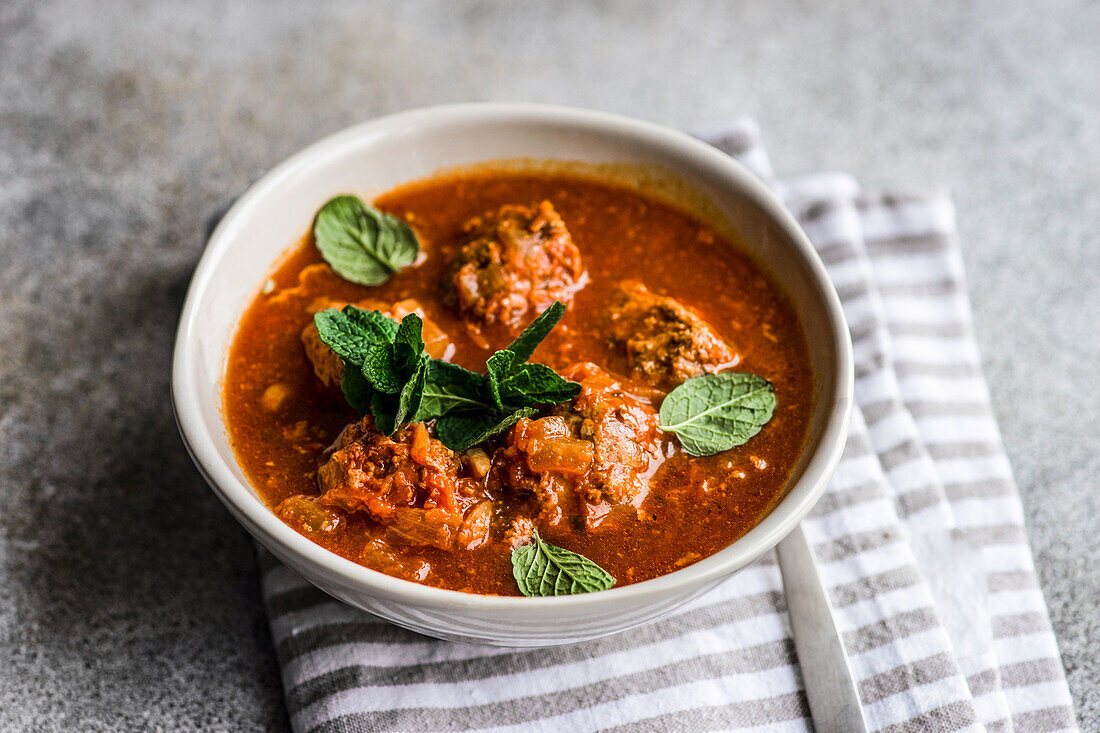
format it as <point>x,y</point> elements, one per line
<point>372,158</point>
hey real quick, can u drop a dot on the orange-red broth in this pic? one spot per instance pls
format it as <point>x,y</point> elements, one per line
<point>700,505</point>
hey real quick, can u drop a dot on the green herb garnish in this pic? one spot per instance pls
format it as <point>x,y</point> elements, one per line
<point>471,407</point>
<point>461,430</point>
<point>387,373</point>
<point>716,412</point>
<point>384,362</point>
<point>352,331</point>
<point>515,382</point>
<point>542,569</point>
<point>361,243</point>
<point>397,371</point>
<point>357,390</point>
<point>451,387</point>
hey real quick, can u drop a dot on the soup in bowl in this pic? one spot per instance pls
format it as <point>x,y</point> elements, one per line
<point>510,374</point>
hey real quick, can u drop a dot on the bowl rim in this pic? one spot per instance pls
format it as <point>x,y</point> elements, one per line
<point>268,529</point>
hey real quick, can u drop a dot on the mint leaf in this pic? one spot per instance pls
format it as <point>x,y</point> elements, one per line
<point>412,394</point>
<point>385,413</point>
<point>401,247</point>
<point>379,369</point>
<point>450,387</point>
<point>715,412</point>
<point>542,569</point>
<point>536,384</point>
<point>499,365</point>
<point>375,325</point>
<point>357,390</point>
<point>514,384</point>
<point>391,411</point>
<point>460,430</point>
<point>345,235</point>
<point>526,343</point>
<point>352,331</point>
<point>408,342</point>
<point>361,243</point>
<point>497,369</point>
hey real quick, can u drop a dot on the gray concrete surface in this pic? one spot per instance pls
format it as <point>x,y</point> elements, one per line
<point>128,596</point>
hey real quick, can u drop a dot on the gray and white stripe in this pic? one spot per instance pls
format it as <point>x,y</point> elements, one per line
<point>924,295</point>
<point>927,459</point>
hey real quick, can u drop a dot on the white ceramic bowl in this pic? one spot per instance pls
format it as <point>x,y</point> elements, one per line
<point>376,156</point>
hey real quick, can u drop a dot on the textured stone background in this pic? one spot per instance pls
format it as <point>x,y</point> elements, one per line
<point>128,596</point>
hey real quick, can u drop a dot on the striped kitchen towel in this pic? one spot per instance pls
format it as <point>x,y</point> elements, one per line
<point>920,537</point>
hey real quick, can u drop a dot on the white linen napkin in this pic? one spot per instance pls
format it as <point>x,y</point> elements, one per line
<point>920,537</point>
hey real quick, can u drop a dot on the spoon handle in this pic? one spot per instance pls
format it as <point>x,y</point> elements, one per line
<point>830,685</point>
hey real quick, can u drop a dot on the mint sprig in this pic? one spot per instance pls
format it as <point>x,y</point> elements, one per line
<point>385,366</point>
<point>515,382</point>
<point>472,407</point>
<point>387,373</point>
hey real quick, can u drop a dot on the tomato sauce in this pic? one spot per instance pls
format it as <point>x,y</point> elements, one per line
<point>281,418</point>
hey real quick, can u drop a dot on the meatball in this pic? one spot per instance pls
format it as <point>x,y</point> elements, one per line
<point>411,483</point>
<point>625,434</point>
<point>327,365</point>
<point>515,263</point>
<point>665,342</point>
<point>588,457</point>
